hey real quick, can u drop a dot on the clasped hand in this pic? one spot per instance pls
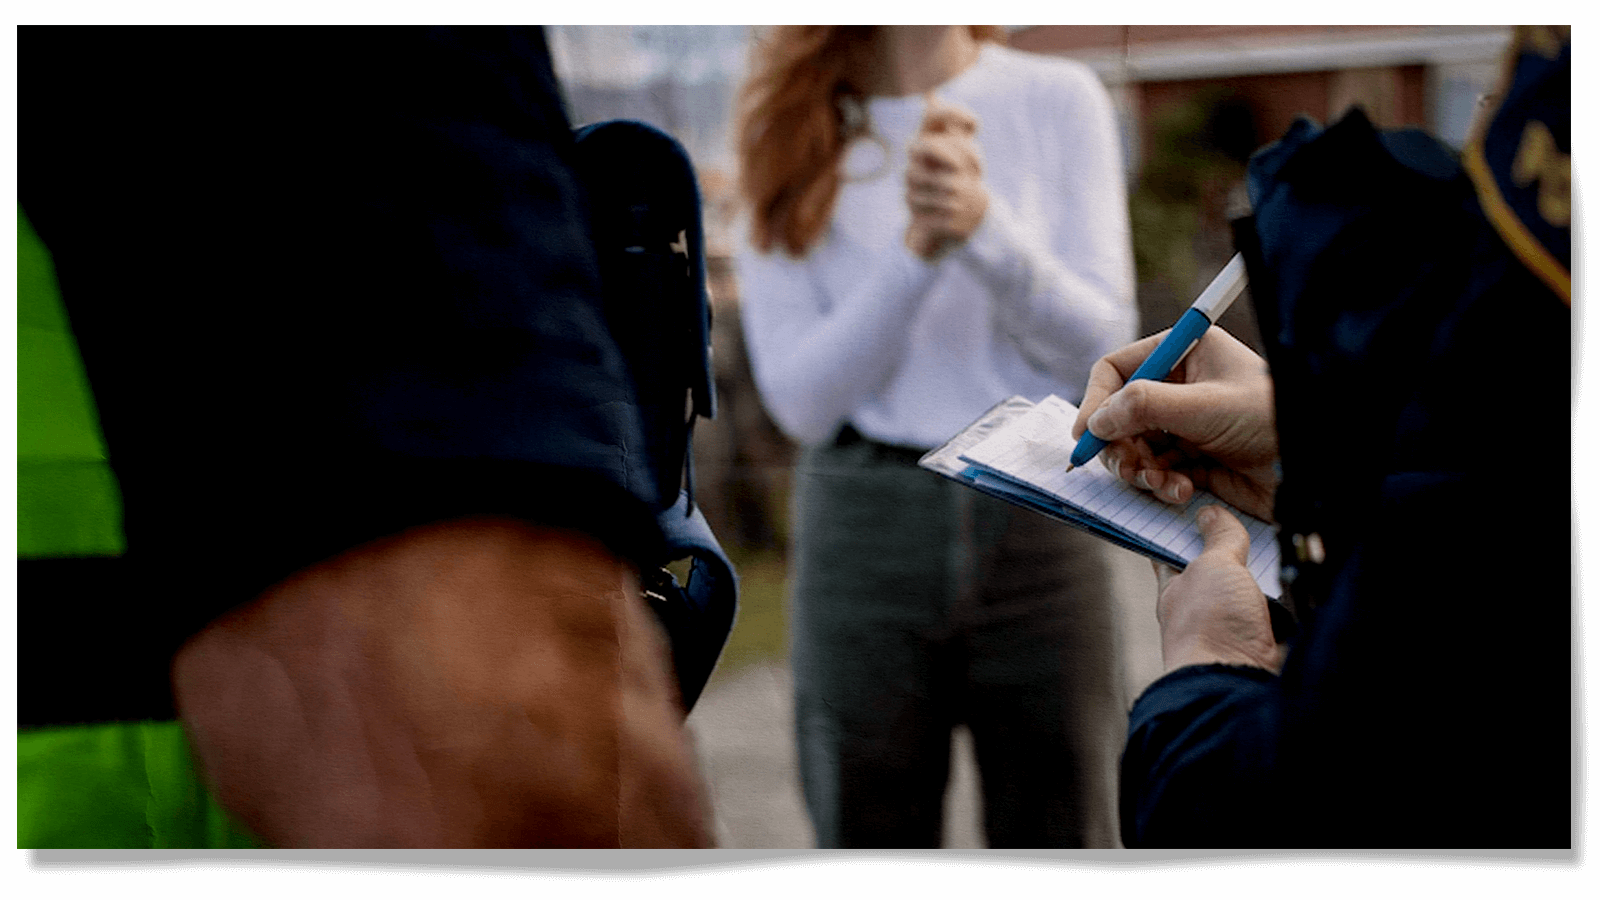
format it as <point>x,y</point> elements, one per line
<point>944,181</point>
<point>1210,425</point>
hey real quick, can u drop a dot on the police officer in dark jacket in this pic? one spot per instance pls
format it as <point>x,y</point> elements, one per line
<point>335,294</point>
<point>1416,310</point>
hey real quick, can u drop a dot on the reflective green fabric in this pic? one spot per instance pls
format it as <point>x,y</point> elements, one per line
<point>68,503</point>
<point>101,786</point>
<point>123,786</point>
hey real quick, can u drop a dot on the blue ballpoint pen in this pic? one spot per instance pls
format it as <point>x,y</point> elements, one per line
<point>1207,309</point>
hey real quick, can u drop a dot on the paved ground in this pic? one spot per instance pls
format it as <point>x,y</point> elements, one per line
<point>745,737</point>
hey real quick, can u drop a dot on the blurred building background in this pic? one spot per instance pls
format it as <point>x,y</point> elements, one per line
<point>1193,100</point>
<point>1196,100</point>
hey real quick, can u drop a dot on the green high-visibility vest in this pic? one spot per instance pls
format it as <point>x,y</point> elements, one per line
<point>122,785</point>
<point>68,502</point>
<point>116,785</point>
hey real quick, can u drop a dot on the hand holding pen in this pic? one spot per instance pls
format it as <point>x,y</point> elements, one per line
<point>1206,420</point>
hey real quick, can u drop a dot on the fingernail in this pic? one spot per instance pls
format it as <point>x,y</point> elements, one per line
<point>1142,479</point>
<point>1205,515</point>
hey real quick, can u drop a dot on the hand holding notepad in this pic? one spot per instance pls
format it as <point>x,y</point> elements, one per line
<point>1018,451</point>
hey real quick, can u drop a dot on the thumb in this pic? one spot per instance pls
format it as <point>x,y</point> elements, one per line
<point>1145,405</point>
<point>1223,534</point>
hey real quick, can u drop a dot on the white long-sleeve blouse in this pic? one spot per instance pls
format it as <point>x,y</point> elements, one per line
<point>860,330</point>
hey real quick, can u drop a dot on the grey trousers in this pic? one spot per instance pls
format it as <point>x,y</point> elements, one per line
<point>919,604</point>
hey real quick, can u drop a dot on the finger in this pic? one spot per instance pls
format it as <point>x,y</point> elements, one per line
<point>963,150</point>
<point>929,183</point>
<point>932,157</point>
<point>1164,470</point>
<point>952,120</point>
<point>1125,458</point>
<point>1223,534</point>
<point>1109,374</point>
<point>1118,415</point>
<point>1168,485</point>
<point>945,153</point>
<point>931,194</point>
<point>1132,461</point>
<point>1126,360</point>
<point>944,116</point>
<point>1187,410</point>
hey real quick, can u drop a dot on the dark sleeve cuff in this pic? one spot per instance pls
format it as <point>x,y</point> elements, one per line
<point>1198,766</point>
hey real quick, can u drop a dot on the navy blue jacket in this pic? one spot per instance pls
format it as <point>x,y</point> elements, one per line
<point>327,283</point>
<point>1426,702</point>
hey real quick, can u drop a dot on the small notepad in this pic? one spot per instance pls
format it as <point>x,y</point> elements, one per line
<point>1019,451</point>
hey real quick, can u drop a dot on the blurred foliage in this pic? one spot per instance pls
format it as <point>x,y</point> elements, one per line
<point>1195,151</point>
<point>761,627</point>
<point>760,631</point>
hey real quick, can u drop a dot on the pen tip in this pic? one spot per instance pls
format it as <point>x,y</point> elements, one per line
<point>1069,468</point>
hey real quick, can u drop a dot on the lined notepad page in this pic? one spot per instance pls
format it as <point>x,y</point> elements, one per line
<point>1035,448</point>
